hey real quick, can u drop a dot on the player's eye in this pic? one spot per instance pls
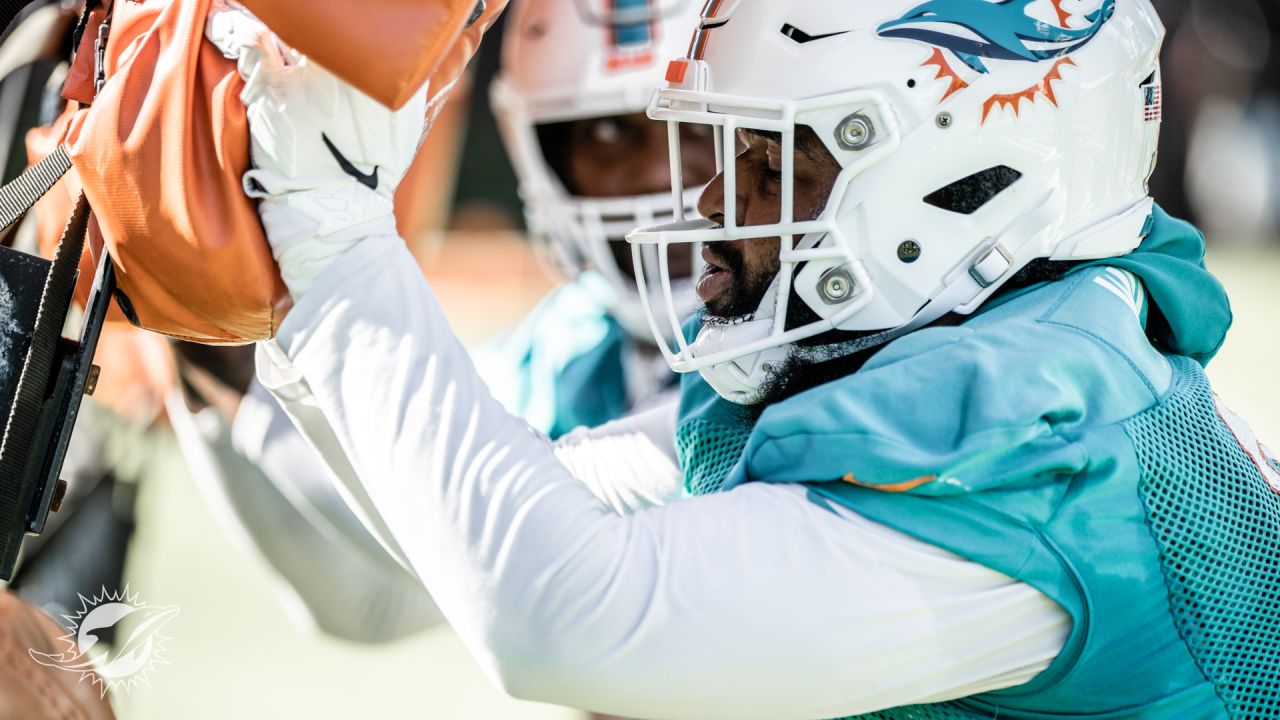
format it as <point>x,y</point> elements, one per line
<point>606,131</point>
<point>773,159</point>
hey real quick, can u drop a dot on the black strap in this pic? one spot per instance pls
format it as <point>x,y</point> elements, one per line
<point>21,193</point>
<point>28,398</point>
<point>22,424</point>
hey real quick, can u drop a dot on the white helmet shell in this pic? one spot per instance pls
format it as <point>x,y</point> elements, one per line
<point>973,137</point>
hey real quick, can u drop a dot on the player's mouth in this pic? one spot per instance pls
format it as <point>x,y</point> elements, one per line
<point>716,276</point>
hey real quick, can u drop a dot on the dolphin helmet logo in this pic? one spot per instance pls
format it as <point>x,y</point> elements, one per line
<point>977,31</point>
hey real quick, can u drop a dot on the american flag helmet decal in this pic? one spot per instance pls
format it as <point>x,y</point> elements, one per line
<point>1153,99</point>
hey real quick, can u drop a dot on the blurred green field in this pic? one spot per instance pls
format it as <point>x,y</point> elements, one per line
<point>234,652</point>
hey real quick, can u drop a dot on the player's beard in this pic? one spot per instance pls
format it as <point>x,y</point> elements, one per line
<point>798,375</point>
<point>742,299</point>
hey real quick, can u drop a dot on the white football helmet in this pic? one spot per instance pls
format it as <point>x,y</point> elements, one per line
<point>565,60</point>
<point>973,136</point>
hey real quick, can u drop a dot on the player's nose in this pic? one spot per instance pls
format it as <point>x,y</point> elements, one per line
<point>711,201</point>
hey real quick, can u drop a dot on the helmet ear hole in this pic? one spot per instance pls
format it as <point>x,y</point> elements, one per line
<point>968,195</point>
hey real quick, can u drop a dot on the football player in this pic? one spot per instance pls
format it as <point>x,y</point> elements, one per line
<point>953,450</point>
<point>570,101</point>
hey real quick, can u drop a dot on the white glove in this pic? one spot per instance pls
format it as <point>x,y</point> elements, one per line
<point>327,158</point>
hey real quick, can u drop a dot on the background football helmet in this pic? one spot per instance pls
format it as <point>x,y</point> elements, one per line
<point>565,60</point>
<point>973,137</point>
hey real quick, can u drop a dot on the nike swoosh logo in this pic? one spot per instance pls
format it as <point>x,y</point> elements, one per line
<point>802,37</point>
<point>369,180</point>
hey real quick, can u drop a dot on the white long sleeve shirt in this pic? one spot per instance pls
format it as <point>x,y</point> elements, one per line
<point>755,603</point>
<point>270,490</point>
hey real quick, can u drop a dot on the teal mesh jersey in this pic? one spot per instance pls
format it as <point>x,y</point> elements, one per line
<point>1047,438</point>
<point>562,367</point>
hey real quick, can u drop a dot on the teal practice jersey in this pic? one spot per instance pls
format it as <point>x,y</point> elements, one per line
<point>1065,436</point>
<point>565,365</point>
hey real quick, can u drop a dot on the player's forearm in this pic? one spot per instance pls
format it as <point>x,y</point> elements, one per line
<point>348,585</point>
<point>269,489</point>
<point>352,586</point>
<point>290,505</point>
<point>288,502</point>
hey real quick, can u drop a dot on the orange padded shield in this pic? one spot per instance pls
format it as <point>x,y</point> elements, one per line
<point>160,154</point>
<point>162,149</point>
<point>387,48</point>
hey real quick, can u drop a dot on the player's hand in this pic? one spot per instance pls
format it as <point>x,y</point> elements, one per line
<point>326,157</point>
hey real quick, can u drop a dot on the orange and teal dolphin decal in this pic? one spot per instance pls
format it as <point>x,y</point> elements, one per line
<point>978,30</point>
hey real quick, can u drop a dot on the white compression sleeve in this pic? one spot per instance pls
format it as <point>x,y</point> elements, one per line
<point>753,603</point>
